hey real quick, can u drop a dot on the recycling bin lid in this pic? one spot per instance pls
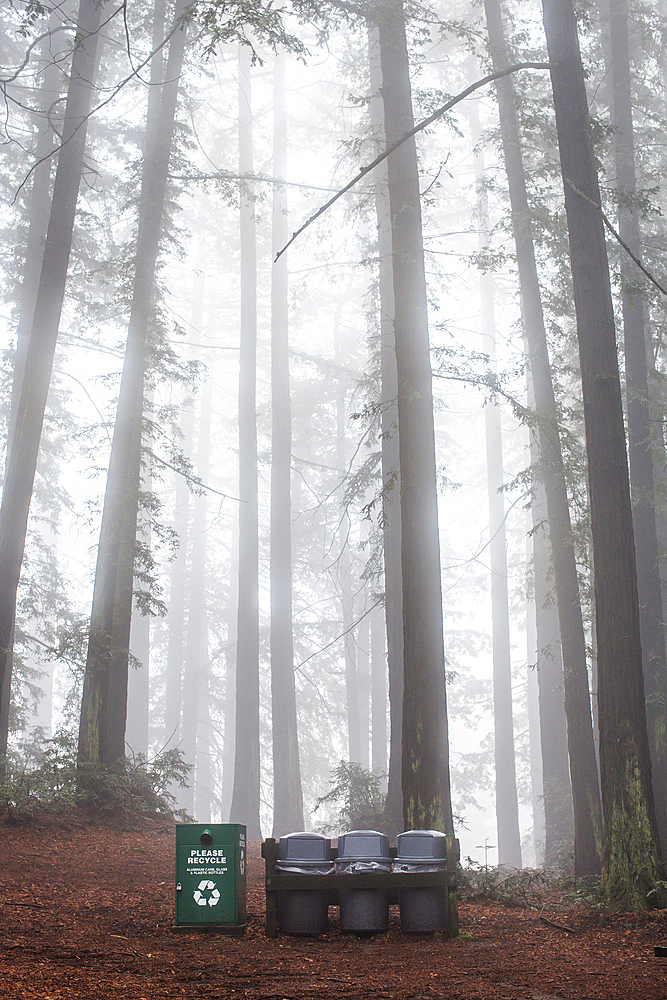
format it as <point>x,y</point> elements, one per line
<point>420,844</point>
<point>304,846</point>
<point>363,845</point>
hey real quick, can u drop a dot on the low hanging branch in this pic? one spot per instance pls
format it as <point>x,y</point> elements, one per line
<point>408,135</point>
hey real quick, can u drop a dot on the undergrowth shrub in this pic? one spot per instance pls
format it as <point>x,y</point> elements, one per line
<point>42,778</point>
<point>356,793</point>
<point>529,887</point>
<point>510,886</point>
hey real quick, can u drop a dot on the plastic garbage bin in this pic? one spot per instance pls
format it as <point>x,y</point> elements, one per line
<point>363,911</point>
<point>423,911</point>
<point>304,911</point>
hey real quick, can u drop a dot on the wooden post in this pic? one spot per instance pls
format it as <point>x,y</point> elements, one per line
<point>270,855</point>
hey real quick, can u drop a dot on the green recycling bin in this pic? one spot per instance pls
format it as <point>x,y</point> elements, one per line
<point>211,877</point>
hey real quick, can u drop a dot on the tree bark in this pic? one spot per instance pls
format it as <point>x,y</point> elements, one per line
<point>104,700</point>
<point>583,766</point>
<point>195,680</point>
<point>507,804</point>
<point>378,695</point>
<point>38,207</point>
<point>556,783</point>
<point>640,435</point>
<point>245,796</point>
<point>631,855</point>
<point>287,793</point>
<point>177,595</point>
<point>391,483</point>
<point>344,566</point>
<point>37,212</point>
<point>138,685</point>
<point>364,688</point>
<point>535,749</point>
<point>425,767</point>
<point>204,787</point>
<point>23,448</point>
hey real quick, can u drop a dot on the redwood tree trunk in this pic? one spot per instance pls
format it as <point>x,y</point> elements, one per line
<point>287,794</point>
<point>37,212</point>
<point>24,446</point>
<point>177,598</point>
<point>245,796</point>
<point>378,694</point>
<point>194,732</point>
<point>425,771</point>
<point>507,804</point>
<point>391,483</point>
<point>639,418</point>
<point>631,855</point>
<point>583,765</point>
<point>104,700</point>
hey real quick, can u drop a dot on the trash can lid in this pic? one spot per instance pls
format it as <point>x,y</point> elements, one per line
<point>362,844</point>
<point>304,846</point>
<point>421,844</point>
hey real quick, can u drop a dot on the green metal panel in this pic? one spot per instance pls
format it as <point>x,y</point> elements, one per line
<point>210,874</point>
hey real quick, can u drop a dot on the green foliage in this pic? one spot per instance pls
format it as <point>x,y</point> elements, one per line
<point>42,778</point>
<point>530,887</point>
<point>356,793</point>
<point>510,886</point>
<point>243,22</point>
<point>579,890</point>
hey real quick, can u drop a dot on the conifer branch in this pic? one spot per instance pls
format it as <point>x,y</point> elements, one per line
<point>408,135</point>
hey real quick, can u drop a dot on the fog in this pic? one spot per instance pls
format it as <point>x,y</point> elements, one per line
<point>209,594</point>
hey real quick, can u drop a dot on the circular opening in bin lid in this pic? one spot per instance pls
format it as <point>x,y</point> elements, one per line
<point>363,844</point>
<point>421,844</point>
<point>304,846</point>
<point>206,838</point>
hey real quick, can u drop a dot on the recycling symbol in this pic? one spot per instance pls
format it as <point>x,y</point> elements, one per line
<point>199,894</point>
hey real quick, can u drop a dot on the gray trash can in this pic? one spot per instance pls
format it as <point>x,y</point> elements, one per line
<point>423,911</point>
<point>363,911</point>
<point>304,911</point>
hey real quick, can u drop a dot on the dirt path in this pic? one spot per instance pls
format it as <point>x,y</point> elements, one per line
<point>87,913</point>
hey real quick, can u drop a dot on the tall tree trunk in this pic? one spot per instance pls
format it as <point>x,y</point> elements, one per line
<point>177,594</point>
<point>556,782</point>
<point>425,770</point>
<point>507,804</point>
<point>229,739</point>
<point>37,212</point>
<point>287,794</point>
<point>631,854</point>
<point>639,419</point>
<point>378,695</point>
<point>138,684</point>
<point>533,703</point>
<point>204,792</point>
<point>391,484</point>
<point>364,688</point>
<point>195,681</point>
<point>104,700</point>
<point>23,448</point>
<point>39,203</point>
<point>245,797</point>
<point>583,766</point>
<point>344,567</point>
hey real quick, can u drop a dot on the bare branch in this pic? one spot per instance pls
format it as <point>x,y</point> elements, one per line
<point>617,236</point>
<point>408,135</point>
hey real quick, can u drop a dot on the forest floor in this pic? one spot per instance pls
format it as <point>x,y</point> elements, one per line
<point>86,912</point>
